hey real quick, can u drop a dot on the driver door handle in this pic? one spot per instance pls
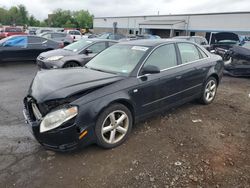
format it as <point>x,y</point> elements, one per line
<point>178,77</point>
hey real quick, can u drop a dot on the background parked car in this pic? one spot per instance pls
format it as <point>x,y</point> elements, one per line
<point>224,40</point>
<point>31,31</point>
<point>147,36</point>
<point>25,47</point>
<point>73,55</point>
<point>40,31</point>
<point>111,36</point>
<point>138,37</point>
<point>75,34</point>
<point>238,60</point>
<point>124,84</point>
<point>196,39</point>
<point>9,31</point>
<point>89,35</point>
<point>59,37</point>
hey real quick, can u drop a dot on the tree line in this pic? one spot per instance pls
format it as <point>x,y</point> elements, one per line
<point>18,15</point>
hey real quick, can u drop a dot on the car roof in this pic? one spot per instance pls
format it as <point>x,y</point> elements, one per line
<point>98,39</point>
<point>152,42</point>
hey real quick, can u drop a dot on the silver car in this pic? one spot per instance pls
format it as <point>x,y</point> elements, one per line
<point>59,37</point>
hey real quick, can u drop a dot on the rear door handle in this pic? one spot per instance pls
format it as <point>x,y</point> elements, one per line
<point>178,77</point>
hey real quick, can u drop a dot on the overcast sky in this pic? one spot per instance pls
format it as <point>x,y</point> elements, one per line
<point>41,8</point>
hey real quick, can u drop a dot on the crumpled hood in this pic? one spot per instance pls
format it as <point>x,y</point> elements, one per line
<point>57,52</point>
<point>62,83</point>
<point>226,36</point>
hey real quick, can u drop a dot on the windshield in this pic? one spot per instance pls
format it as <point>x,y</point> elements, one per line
<point>104,36</point>
<point>13,29</point>
<point>79,45</point>
<point>5,39</point>
<point>246,45</point>
<point>119,58</point>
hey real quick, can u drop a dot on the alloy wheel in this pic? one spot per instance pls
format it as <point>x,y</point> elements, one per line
<point>210,90</point>
<point>115,127</point>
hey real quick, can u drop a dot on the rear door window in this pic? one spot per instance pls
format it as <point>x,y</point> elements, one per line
<point>35,40</point>
<point>16,42</point>
<point>203,54</point>
<point>188,52</point>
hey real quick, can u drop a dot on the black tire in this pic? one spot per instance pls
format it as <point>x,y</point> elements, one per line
<point>204,99</point>
<point>104,117</point>
<point>71,64</point>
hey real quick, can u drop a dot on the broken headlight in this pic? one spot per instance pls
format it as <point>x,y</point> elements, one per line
<point>57,118</point>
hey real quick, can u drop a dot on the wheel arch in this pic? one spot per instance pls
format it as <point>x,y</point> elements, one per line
<point>122,101</point>
<point>216,77</point>
<point>75,61</point>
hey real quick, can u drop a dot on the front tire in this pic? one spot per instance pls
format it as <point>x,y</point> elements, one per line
<point>209,91</point>
<point>113,126</point>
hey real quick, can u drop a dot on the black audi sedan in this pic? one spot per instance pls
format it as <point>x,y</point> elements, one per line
<point>129,81</point>
<point>74,55</point>
<point>25,47</point>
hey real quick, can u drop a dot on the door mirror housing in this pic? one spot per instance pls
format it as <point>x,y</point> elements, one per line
<point>88,51</point>
<point>150,69</point>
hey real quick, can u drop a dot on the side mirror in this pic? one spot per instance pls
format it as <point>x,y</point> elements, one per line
<point>150,69</point>
<point>88,51</point>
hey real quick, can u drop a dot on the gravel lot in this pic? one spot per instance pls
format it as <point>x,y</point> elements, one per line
<point>191,146</point>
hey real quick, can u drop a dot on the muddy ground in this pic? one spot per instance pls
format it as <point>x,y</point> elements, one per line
<point>191,146</point>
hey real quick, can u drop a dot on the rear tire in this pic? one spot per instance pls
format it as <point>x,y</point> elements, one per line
<point>209,91</point>
<point>71,64</point>
<point>113,126</point>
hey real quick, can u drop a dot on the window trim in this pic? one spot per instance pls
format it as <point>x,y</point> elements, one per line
<point>178,54</point>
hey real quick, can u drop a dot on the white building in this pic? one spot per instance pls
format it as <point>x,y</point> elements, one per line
<point>174,25</point>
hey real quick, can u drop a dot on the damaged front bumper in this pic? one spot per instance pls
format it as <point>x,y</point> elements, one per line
<point>64,138</point>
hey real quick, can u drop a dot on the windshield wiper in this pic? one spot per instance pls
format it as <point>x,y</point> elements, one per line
<point>98,69</point>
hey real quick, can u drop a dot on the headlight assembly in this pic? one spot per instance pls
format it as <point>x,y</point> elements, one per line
<point>55,58</point>
<point>55,119</point>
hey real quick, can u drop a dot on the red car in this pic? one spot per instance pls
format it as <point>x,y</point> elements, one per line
<point>9,31</point>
